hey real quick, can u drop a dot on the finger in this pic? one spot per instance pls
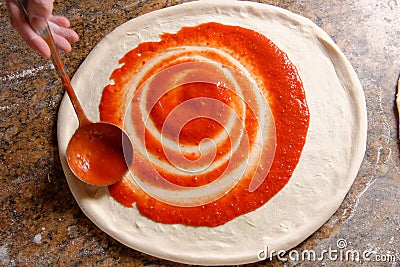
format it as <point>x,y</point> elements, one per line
<point>40,9</point>
<point>70,35</point>
<point>39,45</point>
<point>15,14</point>
<point>66,33</point>
<point>62,43</point>
<point>34,41</point>
<point>60,21</point>
<point>20,24</point>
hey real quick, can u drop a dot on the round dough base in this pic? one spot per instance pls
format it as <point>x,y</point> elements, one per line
<point>329,163</point>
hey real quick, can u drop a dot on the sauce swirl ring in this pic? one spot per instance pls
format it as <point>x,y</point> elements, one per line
<point>198,129</point>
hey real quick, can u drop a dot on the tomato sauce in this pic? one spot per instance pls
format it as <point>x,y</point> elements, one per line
<point>274,74</point>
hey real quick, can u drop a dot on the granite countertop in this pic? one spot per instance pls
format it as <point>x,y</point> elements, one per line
<point>40,222</point>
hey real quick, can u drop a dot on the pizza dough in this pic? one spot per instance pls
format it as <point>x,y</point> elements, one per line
<point>328,166</point>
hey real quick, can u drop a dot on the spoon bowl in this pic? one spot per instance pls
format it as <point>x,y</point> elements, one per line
<point>99,153</point>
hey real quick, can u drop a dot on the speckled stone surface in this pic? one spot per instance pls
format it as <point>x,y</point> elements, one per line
<point>40,222</point>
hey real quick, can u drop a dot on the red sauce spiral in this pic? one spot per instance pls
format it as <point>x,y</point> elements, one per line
<point>193,128</point>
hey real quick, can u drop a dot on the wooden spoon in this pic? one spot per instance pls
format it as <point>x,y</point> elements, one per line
<point>98,153</point>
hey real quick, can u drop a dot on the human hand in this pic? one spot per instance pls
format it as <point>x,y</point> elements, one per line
<point>40,11</point>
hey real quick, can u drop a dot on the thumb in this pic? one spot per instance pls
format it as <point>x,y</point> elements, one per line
<point>39,11</point>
